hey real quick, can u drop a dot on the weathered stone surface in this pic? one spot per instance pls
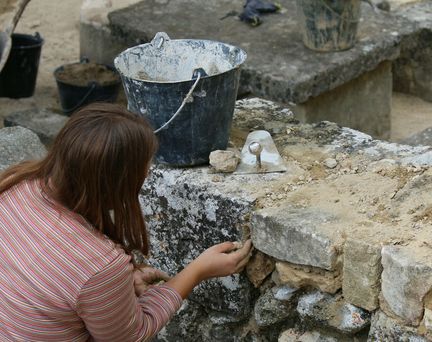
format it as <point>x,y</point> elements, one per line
<point>186,325</point>
<point>274,306</point>
<point>363,103</point>
<point>224,161</point>
<point>291,335</point>
<point>185,217</point>
<point>279,67</point>
<point>422,138</point>
<point>405,282</point>
<point>18,144</point>
<point>384,328</point>
<point>44,123</point>
<point>307,276</point>
<point>361,274</point>
<point>332,311</point>
<point>259,267</point>
<point>291,234</point>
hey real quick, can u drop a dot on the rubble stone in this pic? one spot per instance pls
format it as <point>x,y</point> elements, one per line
<point>259,267</point>
<point>18,144</point>
<point>332,311</point>
<point>306,276</point>
<point>384,328</point>
<point>224,161</point>
<point>270,310</point>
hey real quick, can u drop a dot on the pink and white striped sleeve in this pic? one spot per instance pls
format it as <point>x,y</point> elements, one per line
<point>111,311</point>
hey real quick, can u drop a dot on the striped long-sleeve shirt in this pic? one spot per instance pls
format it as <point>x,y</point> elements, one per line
<point>60,280</point>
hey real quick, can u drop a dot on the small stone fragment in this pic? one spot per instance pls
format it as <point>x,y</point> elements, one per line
<point>224,161</point>
<point>259,267</point>
<point>330,163</point>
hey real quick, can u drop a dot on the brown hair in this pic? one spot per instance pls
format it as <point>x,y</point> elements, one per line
<point>97,163</point>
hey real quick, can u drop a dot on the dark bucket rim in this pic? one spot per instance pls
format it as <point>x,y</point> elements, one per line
<point>36,38</point>
<point>114,83</point>
<point>181,81</point>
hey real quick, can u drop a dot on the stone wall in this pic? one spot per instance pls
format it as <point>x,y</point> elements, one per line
<point>342,249</point>
<point>342,239</point>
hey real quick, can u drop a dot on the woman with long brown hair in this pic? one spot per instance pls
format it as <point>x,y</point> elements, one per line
<point>68,225</point>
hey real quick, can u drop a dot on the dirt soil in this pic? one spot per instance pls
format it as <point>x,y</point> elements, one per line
<point>81,74</point>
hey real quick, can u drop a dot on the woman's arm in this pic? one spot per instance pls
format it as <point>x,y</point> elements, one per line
<point>112,312</point>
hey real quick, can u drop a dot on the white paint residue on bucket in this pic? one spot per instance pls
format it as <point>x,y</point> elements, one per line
<point>164,60</point>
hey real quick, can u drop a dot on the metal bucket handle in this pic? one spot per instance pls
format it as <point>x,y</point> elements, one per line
<point>198,73</point>
<point>159,39</point>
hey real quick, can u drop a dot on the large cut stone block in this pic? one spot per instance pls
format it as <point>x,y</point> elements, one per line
<point>406,280</point>
<point>186,216</point>
<point>294,235</point>
<point>361,274</point>
<point>18,144</point>
<point>363,103</point>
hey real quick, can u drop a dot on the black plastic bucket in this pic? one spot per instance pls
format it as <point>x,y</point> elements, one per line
<point>329,25</point>
<point>157,78</point>
<point>18,77</point>
<point>75,93</point>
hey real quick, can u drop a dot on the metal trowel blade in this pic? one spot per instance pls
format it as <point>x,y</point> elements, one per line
<point>271,161</point>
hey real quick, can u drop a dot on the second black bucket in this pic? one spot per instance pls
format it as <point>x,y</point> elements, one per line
<point>83,83</point>
<point>158,76</point>
<point>18,77</point>
<point>329,25</point>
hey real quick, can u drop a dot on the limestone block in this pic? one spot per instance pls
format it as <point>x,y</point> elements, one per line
<point>305,276</point>
<point>405,283</point>
<point>361,274</point>
<point>259,267</point>
<point>18,144</point>
<point>185,216</point>
<point>269,309</point>
<point>363,103</point>
<point>332,312</point>
<point>44,123</point>
<point>384,328</point>
<point>293,235</point>
<point>421,138</point>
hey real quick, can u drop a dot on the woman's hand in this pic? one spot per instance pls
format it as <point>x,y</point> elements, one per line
<point>222,260</point>
<point>217,261</point>
<point>146,276</point>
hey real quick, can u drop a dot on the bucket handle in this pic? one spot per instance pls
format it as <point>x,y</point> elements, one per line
<point>188,98</point>
<point>84,98</point>
<point>159,40</point>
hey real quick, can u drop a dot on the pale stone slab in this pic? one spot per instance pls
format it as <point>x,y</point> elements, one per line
<point>293,235</point>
